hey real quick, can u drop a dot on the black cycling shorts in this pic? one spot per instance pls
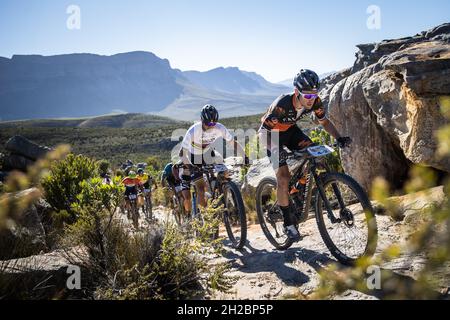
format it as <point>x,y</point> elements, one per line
<point>147,185</point>
<point>131,190</point>
<point>293,139</point>
<point>197,162</point>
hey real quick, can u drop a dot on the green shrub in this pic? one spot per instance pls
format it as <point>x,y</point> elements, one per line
<point>119,173</point>
<point>158,263</point>
<point>321,137</point>
<point>62,185</point>
<point>155,163</point>
<point>103,167</point>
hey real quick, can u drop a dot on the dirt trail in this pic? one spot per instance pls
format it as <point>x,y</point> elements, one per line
<point>266,273</point>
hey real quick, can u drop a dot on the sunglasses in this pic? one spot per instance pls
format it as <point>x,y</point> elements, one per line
<point>211,124</point>
<point>309,96</point>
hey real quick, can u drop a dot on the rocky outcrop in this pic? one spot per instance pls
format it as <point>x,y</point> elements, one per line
<point>41,277</point>
<point>389,103</point>
<point>22,146</point>
<point>27,234</point>
<point>23,153</point>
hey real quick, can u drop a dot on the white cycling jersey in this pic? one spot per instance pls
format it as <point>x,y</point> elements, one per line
<point>197,140</point>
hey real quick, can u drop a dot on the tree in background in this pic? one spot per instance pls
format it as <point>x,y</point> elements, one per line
<point>103,167</point>
<point>62,185</point>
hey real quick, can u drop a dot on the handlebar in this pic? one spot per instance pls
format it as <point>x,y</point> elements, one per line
<point>302,154</point>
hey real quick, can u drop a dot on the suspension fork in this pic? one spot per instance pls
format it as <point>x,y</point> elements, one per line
<point>323,195</point>
<point>336,190</point>
<point>194,201</point>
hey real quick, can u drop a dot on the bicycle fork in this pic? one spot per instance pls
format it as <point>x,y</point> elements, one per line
<point>323,195</point>
<point>194,204</point>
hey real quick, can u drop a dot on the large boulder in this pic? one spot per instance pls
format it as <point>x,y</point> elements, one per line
<point>17,162</point>
<point>41,277</point>
<point>22,146</point>
<point>2,160</point>
<point>389,103</point>
<point>26,236</point>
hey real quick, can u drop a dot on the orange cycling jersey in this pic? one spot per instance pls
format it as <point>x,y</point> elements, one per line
<point>131,182</point>
<point>282,114</point>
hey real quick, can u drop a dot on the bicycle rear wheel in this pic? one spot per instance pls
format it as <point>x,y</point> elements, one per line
<point>269,214</point>
<point>148,207</point>
<point>134,214</point>
<point>348,226</point>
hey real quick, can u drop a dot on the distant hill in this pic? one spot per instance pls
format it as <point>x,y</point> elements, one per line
<point>130,120</point>
<point>77,85</point>
<point>84,85</point>
<point>116,137</point>
<point>233,80</point>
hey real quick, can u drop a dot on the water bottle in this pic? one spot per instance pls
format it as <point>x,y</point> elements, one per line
<point>299,186</point>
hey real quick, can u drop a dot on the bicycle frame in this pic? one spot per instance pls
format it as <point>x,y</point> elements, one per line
<point>309,166</point>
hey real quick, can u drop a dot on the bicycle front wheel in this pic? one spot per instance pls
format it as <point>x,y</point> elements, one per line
<point>345,218</point>
<point>178,210</point>
<point>234,215</point>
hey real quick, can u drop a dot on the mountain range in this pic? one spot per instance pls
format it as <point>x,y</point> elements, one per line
<point>83,85</point>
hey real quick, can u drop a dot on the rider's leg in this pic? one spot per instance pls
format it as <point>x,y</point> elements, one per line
<point>201,188</point>
<point>283,178</point>
<point>275,143</point>
<point>185,177</point>
<point>187,200</point>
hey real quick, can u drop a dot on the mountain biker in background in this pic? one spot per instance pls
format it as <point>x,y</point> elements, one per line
<point>279,129</point>
<point>170,178</point>
<point>131,183</point>
<point>196,152</point>
<point>107,179</point>
<point>127,166</point>
<point>146,181</point>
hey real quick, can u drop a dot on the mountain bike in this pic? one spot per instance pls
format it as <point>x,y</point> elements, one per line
<point>133,210</point>
<point>178,210</point>
<point>227,192</point>
<point>344,214</point>
<point>148,206</point>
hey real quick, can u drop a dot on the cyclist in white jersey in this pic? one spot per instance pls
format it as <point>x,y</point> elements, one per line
<point>196,151</point>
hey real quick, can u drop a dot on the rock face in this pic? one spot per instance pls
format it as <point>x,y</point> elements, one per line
<point>389,103</point>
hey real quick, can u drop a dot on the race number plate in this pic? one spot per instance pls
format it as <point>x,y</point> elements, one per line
<point>220,168</point>
<point>320,151</point>
<point>132,197</point>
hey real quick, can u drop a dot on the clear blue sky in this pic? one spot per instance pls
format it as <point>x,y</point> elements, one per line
<point>273,38</point>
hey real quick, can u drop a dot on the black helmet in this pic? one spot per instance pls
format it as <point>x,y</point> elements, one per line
<point>209,114</point>
<point>307,80</point>
<point>140,171</point>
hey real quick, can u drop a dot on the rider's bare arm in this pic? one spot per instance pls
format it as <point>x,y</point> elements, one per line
<point>184,156</point>
<point>330,128</point>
